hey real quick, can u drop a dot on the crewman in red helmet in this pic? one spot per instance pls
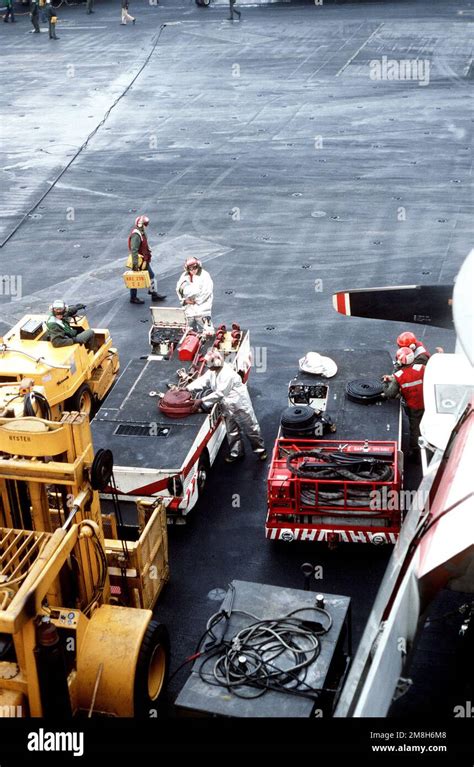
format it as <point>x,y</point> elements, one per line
<point>141,257</point>
<point>408,340</point>
<point>407,382</point>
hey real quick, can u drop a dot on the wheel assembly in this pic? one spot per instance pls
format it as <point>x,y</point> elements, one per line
<point>152,669</point>
<point>122,663</point>
<point>202,472</point>
<point>82,400</point>
<point>102,469</point>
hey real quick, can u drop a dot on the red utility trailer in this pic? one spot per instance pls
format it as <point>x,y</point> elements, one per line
<point>346,488</point>
<point>314,493</point>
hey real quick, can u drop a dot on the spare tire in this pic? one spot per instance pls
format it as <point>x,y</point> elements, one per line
<point>365,391</point>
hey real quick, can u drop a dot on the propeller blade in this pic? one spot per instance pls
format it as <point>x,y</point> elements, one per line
<point>420,304</point>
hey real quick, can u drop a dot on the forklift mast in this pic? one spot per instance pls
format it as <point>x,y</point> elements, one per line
<point>67,644</point>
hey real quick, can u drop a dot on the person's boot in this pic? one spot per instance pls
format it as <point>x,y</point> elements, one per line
<point>231,458</point>
<point>137,301</point>
<point>156,296</point>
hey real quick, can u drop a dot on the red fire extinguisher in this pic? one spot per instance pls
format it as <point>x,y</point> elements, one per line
<point>189,346</point>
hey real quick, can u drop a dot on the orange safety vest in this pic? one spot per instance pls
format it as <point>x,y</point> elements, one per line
<point>410,381</point>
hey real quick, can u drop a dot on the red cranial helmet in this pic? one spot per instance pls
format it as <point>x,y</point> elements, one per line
<point>141,221</point>
<point>407,339</point>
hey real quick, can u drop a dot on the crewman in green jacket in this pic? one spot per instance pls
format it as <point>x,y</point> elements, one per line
<point>61,333</point>
<point>52,18</point>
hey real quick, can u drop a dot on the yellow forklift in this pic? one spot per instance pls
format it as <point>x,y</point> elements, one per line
<point>37,379</point>
<point>77,633</point>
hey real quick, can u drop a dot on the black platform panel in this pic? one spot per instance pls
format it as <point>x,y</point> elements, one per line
<point>130,424</point>
<point>272,602</point>
<point>378,421</point>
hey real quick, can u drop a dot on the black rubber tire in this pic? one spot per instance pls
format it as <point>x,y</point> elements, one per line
<point>102,469</point>
<point>151,673</point>
<point>204,465</point>
<point>78,399</point>
<point>364,390</point>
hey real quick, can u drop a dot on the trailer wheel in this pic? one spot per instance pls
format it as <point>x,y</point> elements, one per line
<point>152,670</point>
<point>82,400</point>
<point>203,472</point>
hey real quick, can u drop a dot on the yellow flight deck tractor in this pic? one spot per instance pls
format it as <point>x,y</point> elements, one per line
<point>77,634</point>
<point>37,379</point>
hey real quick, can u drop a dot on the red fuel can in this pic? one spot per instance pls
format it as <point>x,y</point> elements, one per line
<point>189,346</point>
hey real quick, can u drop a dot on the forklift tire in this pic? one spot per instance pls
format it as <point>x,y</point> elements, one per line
<point>82,401</point>
<point>152,669</point>
<point>365,391</point>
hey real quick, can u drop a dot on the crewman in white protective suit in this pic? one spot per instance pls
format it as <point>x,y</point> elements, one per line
<point>195,291</point>
<point>227,389</point>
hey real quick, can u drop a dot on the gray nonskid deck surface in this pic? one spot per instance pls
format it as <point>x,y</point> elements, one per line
<point>265,148</point>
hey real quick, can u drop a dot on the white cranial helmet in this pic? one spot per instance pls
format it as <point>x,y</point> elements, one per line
<point>315,363</point>
<point>214,359</point>
<point>58,306</point>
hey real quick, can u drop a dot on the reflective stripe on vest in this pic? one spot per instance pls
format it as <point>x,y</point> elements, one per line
<point>410,381</point>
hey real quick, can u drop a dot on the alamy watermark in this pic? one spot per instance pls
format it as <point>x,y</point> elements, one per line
<point>259,358</point>
<point>388,499</point>
<point>11,285</point>
<point>45,740</point>
<point>417,70</point>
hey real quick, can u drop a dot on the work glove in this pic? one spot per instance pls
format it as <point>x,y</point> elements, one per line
<point>196,405</point>
<point>135,268</point>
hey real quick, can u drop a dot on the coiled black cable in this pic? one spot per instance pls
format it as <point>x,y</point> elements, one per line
<point>333,467</point>
<point>344,467</point>
<point>267,655</point>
